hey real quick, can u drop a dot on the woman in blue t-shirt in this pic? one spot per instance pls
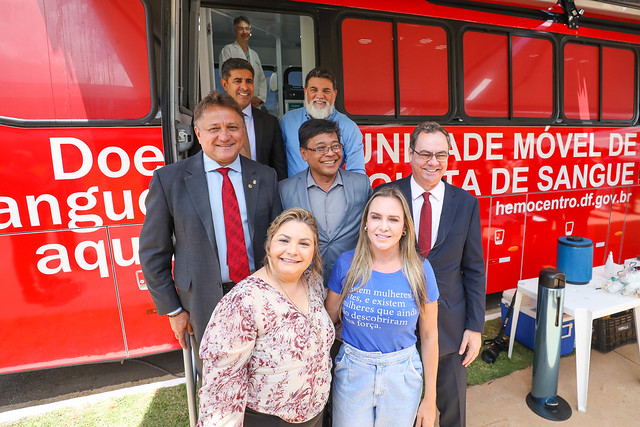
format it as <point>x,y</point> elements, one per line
<point>381,290</point>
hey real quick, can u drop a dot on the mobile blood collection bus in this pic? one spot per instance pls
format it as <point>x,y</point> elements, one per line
<point>541,101</point>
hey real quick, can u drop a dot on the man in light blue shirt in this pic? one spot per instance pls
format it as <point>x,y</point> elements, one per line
<point>319,97</point>
<point>185,252</point>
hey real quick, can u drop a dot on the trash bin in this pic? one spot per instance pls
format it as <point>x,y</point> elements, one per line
<point>543,399</point>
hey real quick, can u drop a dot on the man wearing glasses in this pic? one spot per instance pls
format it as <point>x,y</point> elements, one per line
<point>447,220</point>
<point>336,197</point>
<point>240,49</point>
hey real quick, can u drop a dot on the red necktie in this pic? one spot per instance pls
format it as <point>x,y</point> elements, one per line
<point>424,236</point>
<point>236,250</point>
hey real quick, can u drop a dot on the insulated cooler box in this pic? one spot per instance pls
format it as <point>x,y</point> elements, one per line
<point>526,331</point>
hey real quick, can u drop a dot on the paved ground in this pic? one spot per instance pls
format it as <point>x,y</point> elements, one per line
<point>613,398</point>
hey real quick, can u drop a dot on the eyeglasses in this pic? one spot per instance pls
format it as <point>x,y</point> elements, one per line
<point>425,156</point>
<point>336,148</point>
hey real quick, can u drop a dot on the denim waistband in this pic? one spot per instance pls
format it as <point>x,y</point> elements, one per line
<point>379,358</point>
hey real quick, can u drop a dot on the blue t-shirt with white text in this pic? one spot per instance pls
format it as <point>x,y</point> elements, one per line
<point>382,315</point>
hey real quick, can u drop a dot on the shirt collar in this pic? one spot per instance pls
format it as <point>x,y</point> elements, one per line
<point>312,182</point>
<point>417,190</point>
<point>248,112</point>
<point>212,165</point>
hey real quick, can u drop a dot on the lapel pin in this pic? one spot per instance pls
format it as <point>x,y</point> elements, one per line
<point>254,182</point>
<point>250,186</point>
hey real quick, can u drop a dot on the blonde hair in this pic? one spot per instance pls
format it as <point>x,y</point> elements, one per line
<point>362,263</point>
<point>298,215</point>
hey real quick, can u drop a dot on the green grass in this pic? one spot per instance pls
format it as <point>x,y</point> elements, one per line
<point>164,407</point>
<point>480,372</point>
<point>168,406</point>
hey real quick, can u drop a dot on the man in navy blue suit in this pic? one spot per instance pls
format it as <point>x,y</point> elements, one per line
<point>454,249</point>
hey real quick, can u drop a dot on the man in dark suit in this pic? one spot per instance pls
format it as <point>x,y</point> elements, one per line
<point>189,218</point>
<point>336,197</point>
<point>263,129</point>
<point>448,220</point>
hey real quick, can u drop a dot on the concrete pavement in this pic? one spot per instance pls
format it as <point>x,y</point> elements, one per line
<point>613,398</point>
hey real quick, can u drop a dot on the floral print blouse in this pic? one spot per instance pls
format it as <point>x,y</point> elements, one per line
<point>260,351</point>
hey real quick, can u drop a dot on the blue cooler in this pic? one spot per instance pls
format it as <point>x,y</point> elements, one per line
<point>575,259</point>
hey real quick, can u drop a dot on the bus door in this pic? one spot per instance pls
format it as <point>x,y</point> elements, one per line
<point>284,42</point>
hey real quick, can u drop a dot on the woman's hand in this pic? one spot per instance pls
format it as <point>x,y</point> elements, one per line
<point>426,413</point>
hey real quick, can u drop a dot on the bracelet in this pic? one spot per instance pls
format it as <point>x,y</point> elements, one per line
<point>175,314</point>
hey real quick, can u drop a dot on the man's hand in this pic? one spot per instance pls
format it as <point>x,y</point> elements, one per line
<point>180,324</point>
<point>471,343</point>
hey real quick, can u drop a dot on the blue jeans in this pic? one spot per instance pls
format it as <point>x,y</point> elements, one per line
<point>376,389</point>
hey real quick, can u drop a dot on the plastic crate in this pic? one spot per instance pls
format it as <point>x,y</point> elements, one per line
<point>613,331</point>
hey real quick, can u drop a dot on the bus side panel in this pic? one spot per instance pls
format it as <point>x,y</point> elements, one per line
<point>62,188</point>
<point>145,331</point>
<point>619,205</point>
<point>631,238</point>
<point>559,181</point>
<point>577,215</point>
<point>505,240</point>
<point>58,308</point>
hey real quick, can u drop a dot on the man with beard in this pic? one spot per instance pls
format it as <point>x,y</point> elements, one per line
<point>319,96</point>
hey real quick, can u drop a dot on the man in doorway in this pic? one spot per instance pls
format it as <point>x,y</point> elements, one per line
<point>336,197</point>
<point>447,220</point>
<point>263,129</point>
<point>211,212</point>
<point>319,98</point>
<point>240,49</point>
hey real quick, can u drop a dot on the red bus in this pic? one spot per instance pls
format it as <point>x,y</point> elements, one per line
<point>542,103</point>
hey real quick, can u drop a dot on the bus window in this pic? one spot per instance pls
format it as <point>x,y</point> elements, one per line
<point>281,41</point>
<point>367,55</point>
<point>581,81</point>
<point>423,70</point>
<point>106,79</point>
<point>532,74</point>
<point>618,84</point>
<point>486,78</point>
<point>421,75</point>
<point>492,60</point>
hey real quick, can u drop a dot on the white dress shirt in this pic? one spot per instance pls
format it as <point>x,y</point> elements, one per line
<point>436,197</point>
<point>251,131</point>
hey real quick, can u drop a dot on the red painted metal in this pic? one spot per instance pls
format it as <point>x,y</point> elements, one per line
<point>535,184</point>
<point>71,205</point>
<point>70,214</point>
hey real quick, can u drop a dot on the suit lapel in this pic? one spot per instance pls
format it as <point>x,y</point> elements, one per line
<point>404,185</point>
<point>449,208</point>
<point>196,182</point>
<point>258,128</point>
<point>251,187</point>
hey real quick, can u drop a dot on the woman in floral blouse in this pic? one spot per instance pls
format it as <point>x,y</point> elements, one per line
<point>266,348</point>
